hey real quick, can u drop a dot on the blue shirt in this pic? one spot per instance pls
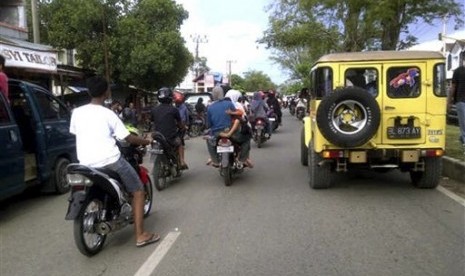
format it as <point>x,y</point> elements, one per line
<point>184,113</point>
<point>217,118</point>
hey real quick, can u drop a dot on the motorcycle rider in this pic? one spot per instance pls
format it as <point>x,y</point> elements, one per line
<point>200,108</point>
<point>96,127</point>
<point>218,120</point>
<point>273,103</point>
<point>259,109</point>
<point>167,120</point>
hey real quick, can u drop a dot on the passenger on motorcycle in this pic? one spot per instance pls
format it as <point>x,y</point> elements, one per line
<point>239,131</point>
<point>96,128</point>
<point>167,120</point>
<point>218,120</point>
<point>178,99</point>
<point>259,109</point>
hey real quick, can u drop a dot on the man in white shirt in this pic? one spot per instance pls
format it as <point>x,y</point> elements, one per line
<point>96,128</point>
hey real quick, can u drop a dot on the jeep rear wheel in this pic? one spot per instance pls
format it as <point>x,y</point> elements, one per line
<point>303,149</point>
<point>429,178</point>
<point>348,117</point>
<point>319,172</point>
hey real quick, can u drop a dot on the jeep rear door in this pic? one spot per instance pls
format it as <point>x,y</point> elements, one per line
<point>403,104</point>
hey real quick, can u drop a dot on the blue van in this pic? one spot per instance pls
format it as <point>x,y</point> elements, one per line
<point>35,143</point>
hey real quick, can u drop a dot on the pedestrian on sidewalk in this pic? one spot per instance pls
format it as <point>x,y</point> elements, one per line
<point>457,97</point>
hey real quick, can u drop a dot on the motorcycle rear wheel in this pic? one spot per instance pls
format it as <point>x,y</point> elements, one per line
<point>87,240</point>
<point>159,175</point>
<point>227,175</point>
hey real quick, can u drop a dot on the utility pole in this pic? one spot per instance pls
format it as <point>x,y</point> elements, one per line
<point>197,39</point>
<point>229,62</point>
<point>35,21</point>
<point>444,21</point>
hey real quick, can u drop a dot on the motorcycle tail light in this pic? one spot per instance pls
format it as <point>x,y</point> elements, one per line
<point>224,142</point>
<point>78,180</point>
<point>259,122</point>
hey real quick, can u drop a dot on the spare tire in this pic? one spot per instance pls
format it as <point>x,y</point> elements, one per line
<point>349,117</point>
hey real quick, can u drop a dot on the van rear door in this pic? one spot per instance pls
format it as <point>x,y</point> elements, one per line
<point>11,153</point>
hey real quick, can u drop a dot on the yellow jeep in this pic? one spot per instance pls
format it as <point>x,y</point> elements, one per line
<point>378,110</point>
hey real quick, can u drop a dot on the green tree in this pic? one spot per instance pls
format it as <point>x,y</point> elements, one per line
<point>140,41</point>
<point>257,80</point>
<point>237,82</point>
<point>151,51</point>
<point>300,31</point>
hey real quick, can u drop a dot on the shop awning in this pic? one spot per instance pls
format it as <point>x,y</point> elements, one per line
<point>23,54</point>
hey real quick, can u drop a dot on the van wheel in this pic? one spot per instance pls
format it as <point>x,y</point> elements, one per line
<point>59,176</point>
<point>348,117</point>
<point>429,178</point>
<point>303,149</point>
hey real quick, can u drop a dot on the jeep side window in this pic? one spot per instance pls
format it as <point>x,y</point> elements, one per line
<point>365,78</point>
<point>50,108</point>
<point>322,82</point>
<point>403,82</point>
<point>439,81</point>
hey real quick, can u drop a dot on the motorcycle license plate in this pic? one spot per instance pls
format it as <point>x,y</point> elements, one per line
<point>225,149</point>
<point>272,119</point>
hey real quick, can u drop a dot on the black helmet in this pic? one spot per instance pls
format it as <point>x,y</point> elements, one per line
<point>165,95</point>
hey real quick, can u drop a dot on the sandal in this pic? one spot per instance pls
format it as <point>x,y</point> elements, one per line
<point>153,238</point>
<point>249,164</point>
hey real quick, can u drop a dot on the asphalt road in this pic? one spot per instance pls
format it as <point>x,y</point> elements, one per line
<point>269,222</point>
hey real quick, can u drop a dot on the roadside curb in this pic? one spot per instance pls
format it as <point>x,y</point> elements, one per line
<point>453,169</point>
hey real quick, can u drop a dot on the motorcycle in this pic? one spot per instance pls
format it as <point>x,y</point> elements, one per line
<point>301,109</point>
<point>260,134</point>
<point>227,155</point>
<point>197,126</point>
<point>273,118</point>
<point>292,107</point>
<point>164,157</point>
<point>99,204</point>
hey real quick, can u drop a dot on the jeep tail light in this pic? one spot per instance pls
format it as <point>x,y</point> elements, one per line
<point>432,153</point>
<point>329,154</point>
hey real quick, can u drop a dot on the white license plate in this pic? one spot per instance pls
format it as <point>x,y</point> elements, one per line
<point>225,149</point>
<point>272,119</point>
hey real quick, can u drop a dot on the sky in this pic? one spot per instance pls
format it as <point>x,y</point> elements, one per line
<point>230,29</point>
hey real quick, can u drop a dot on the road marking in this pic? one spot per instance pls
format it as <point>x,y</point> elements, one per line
<point>153,260</point>
<point>450,194</point>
